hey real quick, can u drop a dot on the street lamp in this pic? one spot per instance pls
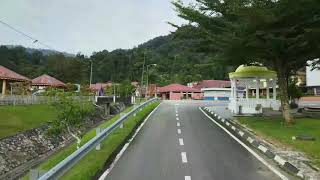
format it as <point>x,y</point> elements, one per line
<point>148,77</point>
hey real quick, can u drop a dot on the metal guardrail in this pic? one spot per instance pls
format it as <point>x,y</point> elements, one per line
<point>61,168</point>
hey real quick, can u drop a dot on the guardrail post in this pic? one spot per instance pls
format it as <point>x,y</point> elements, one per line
<point>121,115</point>
<point>98,131</point>
<point>36,174</point>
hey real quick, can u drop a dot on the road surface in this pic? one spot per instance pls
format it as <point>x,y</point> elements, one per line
<point>190,147</point>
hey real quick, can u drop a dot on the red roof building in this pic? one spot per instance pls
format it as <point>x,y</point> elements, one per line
<point>46,80</point>
<point>9,75</point>
<point>178,92</point>
<point>98,86</point>
<point>212,84</point>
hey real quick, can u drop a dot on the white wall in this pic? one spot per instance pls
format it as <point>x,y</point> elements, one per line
<point>313,77</point>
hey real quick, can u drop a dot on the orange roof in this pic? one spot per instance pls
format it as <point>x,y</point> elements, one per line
<point>46,80</point>
<point>7,74</point>
<point>212,84</point>
<point>177,88</point>
<point>98,86</point>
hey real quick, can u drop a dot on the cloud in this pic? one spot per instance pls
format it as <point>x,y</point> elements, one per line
<point>86,26</point>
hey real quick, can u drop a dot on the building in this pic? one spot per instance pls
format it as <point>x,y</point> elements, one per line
<point>99,88</point>
<point>144,91</point>
<point>216,94</point>
<point>178,92</point>
<point>247,78</point>
<point>7,76</point>
<point>313,80</point>
<point>213,89</point>
<point>44,81</point>
<point>210,84</point>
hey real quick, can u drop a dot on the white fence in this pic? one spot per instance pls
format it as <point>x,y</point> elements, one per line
<point>248,106</point>
<point>28,100</point>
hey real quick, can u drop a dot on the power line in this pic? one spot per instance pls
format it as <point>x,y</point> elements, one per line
<point>34,40</point>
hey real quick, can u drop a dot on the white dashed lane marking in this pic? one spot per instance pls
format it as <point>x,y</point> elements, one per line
<point>187,178</point>
<point>179,131</point>
<point>184,157</point>
<point>177,115</point>
<point>177,119</point>
<point>181,142</point>
<point>178,124</point>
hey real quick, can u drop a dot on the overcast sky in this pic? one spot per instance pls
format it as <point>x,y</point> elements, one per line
<point>86,25</point>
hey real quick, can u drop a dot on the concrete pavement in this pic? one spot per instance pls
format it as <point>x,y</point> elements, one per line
<point>180,142</point>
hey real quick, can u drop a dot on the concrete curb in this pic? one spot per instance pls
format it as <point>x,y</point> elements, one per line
<point>250,139</point>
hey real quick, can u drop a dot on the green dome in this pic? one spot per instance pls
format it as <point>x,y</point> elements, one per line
<point>245,71</point>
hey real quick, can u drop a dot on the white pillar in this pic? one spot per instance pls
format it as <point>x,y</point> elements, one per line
<point>247,92</point>
<point>235,89</point>
<point>257,88</point>
<point>274,91</point>
<point>232,89</point>
<point>4,88</point>
<point>268,90</point>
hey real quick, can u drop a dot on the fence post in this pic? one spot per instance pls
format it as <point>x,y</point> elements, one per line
<point>98,131</point>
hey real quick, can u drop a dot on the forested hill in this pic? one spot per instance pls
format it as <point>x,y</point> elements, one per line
<point>175,58</point>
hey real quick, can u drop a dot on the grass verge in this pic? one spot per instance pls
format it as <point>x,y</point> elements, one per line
<point>94,161</point>
<point>277,132</point>
<point>15,119</point>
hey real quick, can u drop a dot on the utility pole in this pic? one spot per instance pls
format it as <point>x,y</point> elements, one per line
<point>147,88</point>
<point>91,64</point>
<point>144,62</point>
<point>114,93</point>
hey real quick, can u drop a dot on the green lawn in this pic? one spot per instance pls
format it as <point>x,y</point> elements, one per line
<point>276,131</point>
<point>14,119</point>
<point>94,161</point>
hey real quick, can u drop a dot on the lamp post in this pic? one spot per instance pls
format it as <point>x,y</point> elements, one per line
<point>148,77</point>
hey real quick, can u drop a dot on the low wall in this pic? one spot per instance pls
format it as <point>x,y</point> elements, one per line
<point>25,147</point>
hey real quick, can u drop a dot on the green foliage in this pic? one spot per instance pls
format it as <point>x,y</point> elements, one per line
<point>177,61</point>
<point>94,161</point>
<point>294,92</point>
<point>33,64</point>
<point>275,130</point>
<point>72,115</point>
<point>126,89</point>
<point>282,35</point>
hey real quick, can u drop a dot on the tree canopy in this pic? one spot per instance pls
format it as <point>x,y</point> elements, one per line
<point>177,61</point>
<point>282,34</point>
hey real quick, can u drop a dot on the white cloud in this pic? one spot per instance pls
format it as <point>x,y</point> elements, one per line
<point>86,26</point>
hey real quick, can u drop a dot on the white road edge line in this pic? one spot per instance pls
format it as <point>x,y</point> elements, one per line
<point>187,178</point>
<point>248,149</point>
<point>179,131</point>
<point>181,142</point>
<point>184,157</point>
<point>124,148</point>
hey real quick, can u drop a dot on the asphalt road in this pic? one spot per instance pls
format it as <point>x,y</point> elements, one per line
<point>192,147</point>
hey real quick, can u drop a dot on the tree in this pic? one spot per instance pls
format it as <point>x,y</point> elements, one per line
<point>72,116</point>
<point>282,35</point>
<point>126,89</point>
